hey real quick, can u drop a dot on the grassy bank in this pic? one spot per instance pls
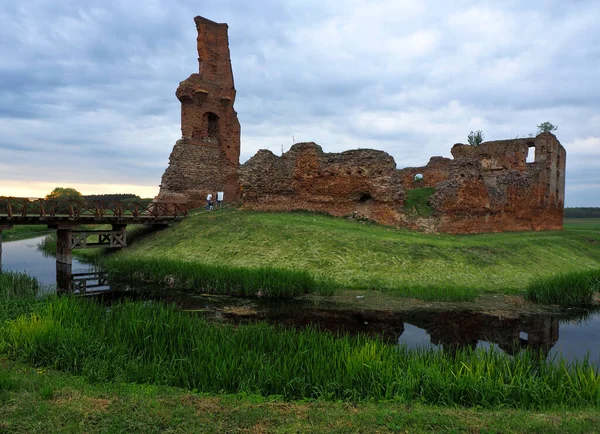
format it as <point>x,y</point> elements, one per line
<point>576,288</point>
<point>356,255</point>
<point>25,231</point>
<point>218,279</point>
<point>417,201</point>
<point>44,400</point>
<point>153,343</point>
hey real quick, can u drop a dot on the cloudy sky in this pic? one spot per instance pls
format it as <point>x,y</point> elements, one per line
<point>87,88</point>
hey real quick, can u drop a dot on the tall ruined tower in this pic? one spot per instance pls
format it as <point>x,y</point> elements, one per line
<point>206,158</point>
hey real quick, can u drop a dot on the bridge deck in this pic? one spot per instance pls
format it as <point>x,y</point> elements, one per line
<point>21,211</point>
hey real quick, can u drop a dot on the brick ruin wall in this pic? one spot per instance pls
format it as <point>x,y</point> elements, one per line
<point>488,188</point>
<point>206,158</point>
<point>491,187</point>
<point>362,183</point>
<point>437,170</point>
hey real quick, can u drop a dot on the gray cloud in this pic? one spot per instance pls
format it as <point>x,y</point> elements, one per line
<point>89,87</point>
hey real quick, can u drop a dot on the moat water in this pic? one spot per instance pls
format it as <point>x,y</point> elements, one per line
<point>571,334</point>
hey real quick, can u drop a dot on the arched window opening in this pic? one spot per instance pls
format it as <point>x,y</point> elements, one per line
<point>213,125</point>
<point>419,178</point>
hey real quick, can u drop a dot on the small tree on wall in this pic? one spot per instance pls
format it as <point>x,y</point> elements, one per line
<point>546,127</point>
<point>476,138</point>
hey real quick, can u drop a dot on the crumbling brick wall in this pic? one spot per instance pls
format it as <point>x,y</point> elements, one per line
<point>487,188</point>
<point>206,159</point>
<point>491,187</point>
<point>436,171</point>
<point>361,182</point>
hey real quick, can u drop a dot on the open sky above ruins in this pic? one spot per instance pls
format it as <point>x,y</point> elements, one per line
<point>87,89</point>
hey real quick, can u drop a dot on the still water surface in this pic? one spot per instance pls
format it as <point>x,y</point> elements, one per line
<point>571,334</point>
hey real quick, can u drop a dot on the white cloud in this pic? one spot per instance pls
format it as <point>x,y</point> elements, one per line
<point>87,89</point>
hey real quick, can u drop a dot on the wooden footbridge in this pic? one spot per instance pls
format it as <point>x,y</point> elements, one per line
<point>67,216</point>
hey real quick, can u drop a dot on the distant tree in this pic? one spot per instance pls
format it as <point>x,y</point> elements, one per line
<point>546,127</point>
<point>476,138</point>
<point>67,193</point>
<point>114,197</point>
<point>588,212</point>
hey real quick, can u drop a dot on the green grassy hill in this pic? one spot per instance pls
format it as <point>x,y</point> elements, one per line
<point>359,255</point>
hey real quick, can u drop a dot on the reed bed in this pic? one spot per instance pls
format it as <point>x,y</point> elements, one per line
<point>18,293</point>
<point>153,343</point>
<point>566,289</point>
<point>17,285</point>
<point>217,279</point>
<point>48,245</point>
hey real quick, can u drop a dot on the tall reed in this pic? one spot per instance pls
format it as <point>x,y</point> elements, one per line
<point>153,343</point>
<point>18,293</point>
<point>17,285</point>
<point>218,279</point>
<point>566,289</point>
<point>48,245</point>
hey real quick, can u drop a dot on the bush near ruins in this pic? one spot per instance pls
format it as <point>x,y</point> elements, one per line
<point>546,127</point>
<point>476,138</point>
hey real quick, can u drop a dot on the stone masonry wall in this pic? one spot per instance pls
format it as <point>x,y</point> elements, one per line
<point>206,159</point>
<point>487,188</point>
<point>491,188</point>
<point>361,182</point>
<point>436,171</point>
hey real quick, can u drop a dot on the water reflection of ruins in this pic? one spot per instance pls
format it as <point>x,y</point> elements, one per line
<point>452,330</point>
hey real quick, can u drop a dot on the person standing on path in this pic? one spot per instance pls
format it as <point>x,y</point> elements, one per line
<point>209,202</point>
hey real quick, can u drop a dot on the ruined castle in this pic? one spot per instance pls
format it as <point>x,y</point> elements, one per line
<point>485,188</point>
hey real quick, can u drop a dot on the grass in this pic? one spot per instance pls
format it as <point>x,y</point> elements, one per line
<point>151,343</point>
<point>48,245</point>
<point>218,279</point>
<point>586,223</point>
<point>45,400</point>
<point>417,201</point>
<point>356,255</point>
<point>576,288</point>
<point>23,232</point>
<point>17,286</point>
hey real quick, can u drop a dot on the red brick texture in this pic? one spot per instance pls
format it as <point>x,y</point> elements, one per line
<point>360,183</point>
<point>207,157</point>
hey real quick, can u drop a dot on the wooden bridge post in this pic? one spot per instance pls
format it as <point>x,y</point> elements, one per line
<point>122,238</point>
<point>64,254</point>
<point>63,276</point>
<point>64,259</point>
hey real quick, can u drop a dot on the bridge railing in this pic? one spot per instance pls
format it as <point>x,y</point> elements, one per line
<point>15,207</point>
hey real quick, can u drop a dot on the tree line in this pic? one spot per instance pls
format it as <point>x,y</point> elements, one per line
<point>580,213</point>
<point>67,193</point>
